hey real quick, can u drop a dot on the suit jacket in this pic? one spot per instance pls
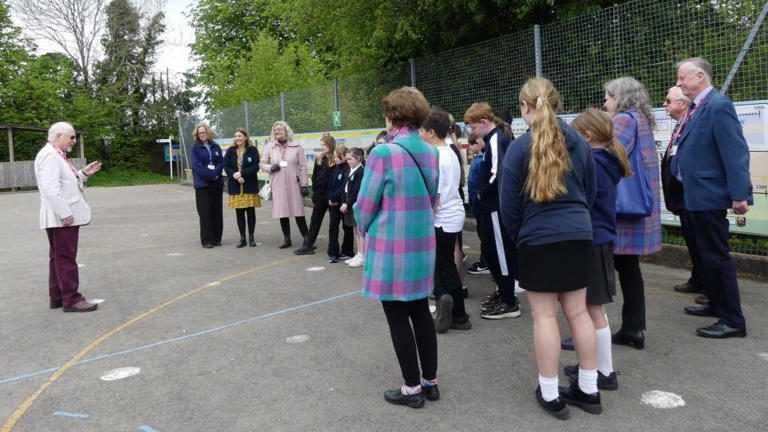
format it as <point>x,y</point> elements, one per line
<point>714,157</point>
<point>673,189</point>
<point>249,170</point>
<point>61,191</point>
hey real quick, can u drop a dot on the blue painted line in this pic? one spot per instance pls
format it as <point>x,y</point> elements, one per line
<point>69,414</point>
<point>180,338</point>
<point>145,428</point>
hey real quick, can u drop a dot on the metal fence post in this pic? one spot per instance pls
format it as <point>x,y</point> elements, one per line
<point>745,48</point>
<point>11,159</point>
<point>336,97</point>
<point>282,106</point>
<point>537,48</point>
<point>245,110</point>
<point>413,71</point>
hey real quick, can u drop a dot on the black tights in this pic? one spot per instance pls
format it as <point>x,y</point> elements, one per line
<point>241,213</point>
<point>631,281</point>
<point>406,339</point>
<point>285,225</point>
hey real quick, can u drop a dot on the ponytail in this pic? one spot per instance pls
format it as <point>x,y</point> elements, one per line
<point>549,157</point>
<point>618,150</point>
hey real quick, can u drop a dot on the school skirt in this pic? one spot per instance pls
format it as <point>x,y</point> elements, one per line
<point>554,267</point>
<point>601,286</point>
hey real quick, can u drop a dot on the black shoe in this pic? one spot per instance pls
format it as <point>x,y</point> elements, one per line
<point>688,288</point>
<point>466,325</point>
<point>501,311</point>
<point>719,330</point>
<point>464,291</point>
<point>477,269</point>
<point>609,382</point>
<point>344,257</point>
<point>251,241</point>
<point>218,243</point>
<point>305,250</point>
<point>332,260</point>
<point>55,304</point>
<point>443,317</point>
<point>208,246</point>
<point>701,311</point>
<point>556,407</point>
<point>397,398</point>
<point>574,396</point>
<point>635,339</point>
<point>242,242</point>
<point>567,344</point>
<point>432,393</point>
<point>286,242</point>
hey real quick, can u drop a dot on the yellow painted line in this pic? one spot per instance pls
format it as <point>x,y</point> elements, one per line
<point>19,412</point>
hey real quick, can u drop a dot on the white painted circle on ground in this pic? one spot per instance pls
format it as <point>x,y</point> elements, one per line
<point>172,254</point>
<point>81,265</point>
<point>465,247</point>
<point>258,243</point>
<point>322,237</point>
<point>145,235</point>
<point>97,301</point>
<point>297,339</point>
<point>313,269</point>
<point>217,283</point>
<point>432,308</point>
<point>264,222</point>
<point>120,373</point>
<point>763,356</point>
<point>662,400</point>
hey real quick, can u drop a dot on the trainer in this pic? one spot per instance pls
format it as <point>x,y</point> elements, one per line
<point>62,210</point>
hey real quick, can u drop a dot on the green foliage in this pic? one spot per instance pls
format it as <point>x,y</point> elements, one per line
<point>128,177</point>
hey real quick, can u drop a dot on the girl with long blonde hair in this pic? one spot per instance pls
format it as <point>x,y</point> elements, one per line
<point>547,187</point>
<point>320,176</point>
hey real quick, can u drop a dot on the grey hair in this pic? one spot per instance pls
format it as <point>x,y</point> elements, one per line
<point>699,65</point>
<point>59,128</point>
<point>630,93</point>
<point>286,128</point>
<point>683,97</point>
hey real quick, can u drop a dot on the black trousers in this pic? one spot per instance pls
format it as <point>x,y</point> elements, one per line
<point>318,213</point>
<point>301,222</point>
<point>413,336</point>
<point>695,279</point>
<point>633,290</point>
<point>500,255</point>
<point>447,279</point>
<point>717,270</point>
<point>209,209</point>
<point>347,243</point>
<point>240,215</point>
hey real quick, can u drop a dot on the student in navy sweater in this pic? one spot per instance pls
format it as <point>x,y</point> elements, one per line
<point>611,164</point>
<point>336,182</point>
<point>547,188</point>
<point>499,251</point>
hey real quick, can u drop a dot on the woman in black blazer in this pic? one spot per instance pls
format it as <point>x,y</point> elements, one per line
<point>241,163</point>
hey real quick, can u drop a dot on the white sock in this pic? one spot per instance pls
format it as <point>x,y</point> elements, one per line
<point>588,380</point>
<point>410,390</point>
<point>604,351</point>
<point>548,386</point>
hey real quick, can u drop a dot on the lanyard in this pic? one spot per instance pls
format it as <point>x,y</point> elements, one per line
<point>69,162</point>
<point>688,117</point>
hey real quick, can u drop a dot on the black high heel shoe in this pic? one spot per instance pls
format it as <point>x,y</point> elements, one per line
<point>251,241</point>
<point>286,242</point>
<point>242,242</point>
<point>635,339</point>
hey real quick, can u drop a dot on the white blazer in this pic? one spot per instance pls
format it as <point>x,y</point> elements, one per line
<point>61,191</point>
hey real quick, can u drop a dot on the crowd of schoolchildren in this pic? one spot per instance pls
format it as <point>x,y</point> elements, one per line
<point>549,196</point>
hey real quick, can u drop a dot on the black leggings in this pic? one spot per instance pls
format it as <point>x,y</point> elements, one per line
<point>285,225</point>
<point>447,279</point>
<point>631,281</point>
<point>240,214</point>
<point>406,339</point>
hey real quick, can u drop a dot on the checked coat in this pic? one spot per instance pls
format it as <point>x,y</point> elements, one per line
<point>639,236</point>
<point>395,211</point>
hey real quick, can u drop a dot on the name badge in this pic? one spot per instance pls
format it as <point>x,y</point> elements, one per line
<point>283,163</point>
<point>339,178</point>
<point>211,167</point>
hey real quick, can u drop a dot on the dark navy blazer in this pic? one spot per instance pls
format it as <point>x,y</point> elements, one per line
<point>714,157</point>
<point>249,170</point>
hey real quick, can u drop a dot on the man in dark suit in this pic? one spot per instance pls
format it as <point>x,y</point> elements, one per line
<point>713,164</point>
<point>676,106</point>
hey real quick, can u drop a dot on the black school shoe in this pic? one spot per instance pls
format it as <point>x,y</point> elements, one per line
<point>604,382</point>
<point>432,393</point>
<point>574,396</point>
<point>396,397</point>
<point>557,408</point>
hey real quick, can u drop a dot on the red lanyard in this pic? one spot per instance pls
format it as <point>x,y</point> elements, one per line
<point>688,117</point>
<point>69,162</point>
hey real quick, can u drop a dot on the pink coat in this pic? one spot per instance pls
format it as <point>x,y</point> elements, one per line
<point>286,194</point>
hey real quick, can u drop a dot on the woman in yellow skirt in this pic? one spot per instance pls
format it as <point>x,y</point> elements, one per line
<point>241,163</point>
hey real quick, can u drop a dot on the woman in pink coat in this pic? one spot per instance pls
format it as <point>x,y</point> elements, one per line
<point>284,159</point>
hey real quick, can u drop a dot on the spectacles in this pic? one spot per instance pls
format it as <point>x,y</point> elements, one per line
<point>668,100</point>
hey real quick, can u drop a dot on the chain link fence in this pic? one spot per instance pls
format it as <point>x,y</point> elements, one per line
<point>642,38</point>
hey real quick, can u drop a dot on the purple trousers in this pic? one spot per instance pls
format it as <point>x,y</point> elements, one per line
<point>63,278</point>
